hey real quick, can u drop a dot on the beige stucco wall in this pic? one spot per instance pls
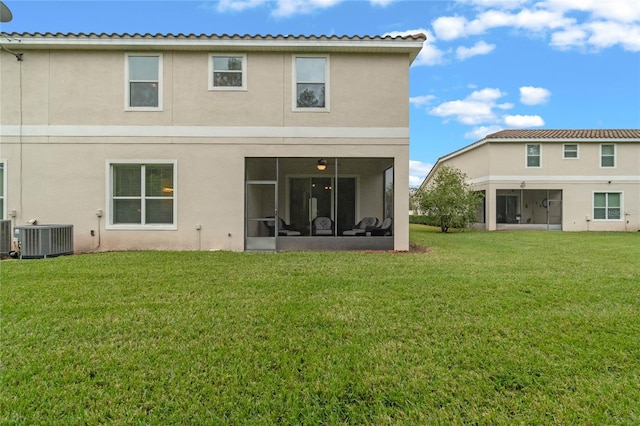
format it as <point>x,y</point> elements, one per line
<point>63,178</point>
<point>501,166</point>
<point>87,88</point>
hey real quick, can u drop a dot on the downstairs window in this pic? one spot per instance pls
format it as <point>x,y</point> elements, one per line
<point>142,195</point>
<point>607,205</point>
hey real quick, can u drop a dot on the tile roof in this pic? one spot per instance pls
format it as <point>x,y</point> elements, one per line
<point>566,134</point>
<point>170,36</point>
<point>409,44</point>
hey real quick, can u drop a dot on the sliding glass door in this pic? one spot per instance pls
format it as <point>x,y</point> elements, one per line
<point>312,197</point>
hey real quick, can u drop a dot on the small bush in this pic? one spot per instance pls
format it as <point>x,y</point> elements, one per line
<point>422,220</point>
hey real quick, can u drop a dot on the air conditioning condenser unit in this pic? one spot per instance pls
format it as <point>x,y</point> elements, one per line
<point>41,241</point>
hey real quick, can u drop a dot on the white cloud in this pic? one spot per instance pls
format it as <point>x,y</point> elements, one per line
<point>480,48</point>
<point>618,10</point>
<point>417,172</point>
<point>480,132</point>
<point>583,24</point>
<point>475,109</point>
<point>238,5</point>
<point>288,8</point>
<point>450,27</point>
<point>419,101</point>
<point>454,27</point>
<point>465,111</point>
<point>521,121</point>
<point>382,3</point>
<point>608,34</point>
<point>530,95</point>
<point>486,95</point>
<point>503,4</point>
<point>430,54</point>
<point>570,37</point>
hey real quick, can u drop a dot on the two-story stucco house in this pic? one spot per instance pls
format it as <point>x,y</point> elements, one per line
<point>573,180</point>
<point>196,142</point>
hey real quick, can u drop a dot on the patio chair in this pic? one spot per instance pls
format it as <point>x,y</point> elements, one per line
<point>322,226</point>
<point>361,227</point>
<point>284,229</point>
<point>385,228</point>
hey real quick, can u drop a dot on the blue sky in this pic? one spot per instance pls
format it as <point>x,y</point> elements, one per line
<point>487,64</point>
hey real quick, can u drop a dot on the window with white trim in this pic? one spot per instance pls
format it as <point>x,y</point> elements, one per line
<point>607,155</point>
<point>142,194</point>
<point>3,181</point>
<point>607,205</point>
<point>570,151</point>
<point>311,89</point>
<point>533,155</point>
<point>228,72</point>
<point>143,82</point>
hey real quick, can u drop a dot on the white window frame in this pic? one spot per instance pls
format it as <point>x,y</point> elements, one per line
<point>138,226</point>
<point>3,195</point>
<point>614,156</point>
<point>564,151</point>
<point>127,94</point>
<point>526,155</point>
<point>243,71</point>
<point>294,86</point>
<point>606,219</point>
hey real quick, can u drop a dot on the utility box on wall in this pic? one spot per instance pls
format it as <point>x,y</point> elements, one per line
<point>40,241</point>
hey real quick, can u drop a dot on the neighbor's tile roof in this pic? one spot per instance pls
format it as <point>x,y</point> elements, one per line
<point>567,134</point>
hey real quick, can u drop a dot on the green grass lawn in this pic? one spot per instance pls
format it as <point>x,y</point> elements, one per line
<point>483,328</point>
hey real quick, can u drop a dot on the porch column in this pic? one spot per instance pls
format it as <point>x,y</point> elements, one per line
<point>401,202</point>
<point>490,205</point>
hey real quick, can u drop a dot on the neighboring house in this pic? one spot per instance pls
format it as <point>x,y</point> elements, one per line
<point>193,142</point>
<point>572,180</point>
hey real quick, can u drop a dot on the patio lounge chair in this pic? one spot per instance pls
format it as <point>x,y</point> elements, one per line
<point>283,229</point>
<point>322,226</point>
<point>385,228</point>
<point>361,227</point>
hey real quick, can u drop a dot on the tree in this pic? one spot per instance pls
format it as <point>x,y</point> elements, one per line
<point>413,201</point>
<point>449,200</point>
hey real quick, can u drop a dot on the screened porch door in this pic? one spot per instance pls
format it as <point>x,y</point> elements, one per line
<point>261,211</point>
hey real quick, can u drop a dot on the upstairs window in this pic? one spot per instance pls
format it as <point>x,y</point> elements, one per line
<point>228,72</point>
<point>143,91</point>
<point>607,205</point>
<point>533,155</point>
<point>607,155</point>
<point>311,83</point>
<point>570,151</point>
<point>142,195</point>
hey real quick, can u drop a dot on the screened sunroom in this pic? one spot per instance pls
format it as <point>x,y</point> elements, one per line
<point>316,203</point>
<point>529,209</point>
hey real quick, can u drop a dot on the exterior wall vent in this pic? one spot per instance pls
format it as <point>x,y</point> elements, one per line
<point>40,241</point>
<point>5,237</point>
